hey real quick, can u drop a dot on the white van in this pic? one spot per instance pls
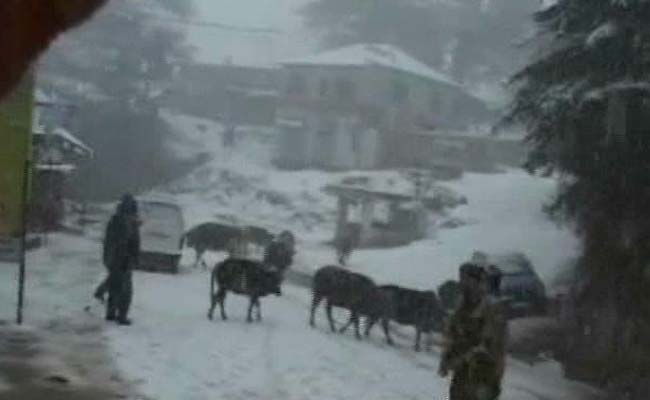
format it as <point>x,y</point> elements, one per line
<point>161,234</point>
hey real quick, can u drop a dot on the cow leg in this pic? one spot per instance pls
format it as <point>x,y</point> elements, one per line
<point>347,325</point>
<point>221,297</point>
<point>329,316</point>
<point>370,322</point>
<point>213,302</point>
<point>315,301</point>
<point>418,333</point>
<point>385,324</point>
<point>251,304</point>
<point>429,342</point>
<point>259,309</point>
<point>355,316</point>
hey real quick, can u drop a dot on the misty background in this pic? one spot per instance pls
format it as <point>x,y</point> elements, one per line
<point>124,67</point>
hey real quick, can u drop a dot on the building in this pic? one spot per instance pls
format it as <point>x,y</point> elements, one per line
<point>362,106</point>
<point>242,95</point>
<point>57,153</point>
<point>385,213</point>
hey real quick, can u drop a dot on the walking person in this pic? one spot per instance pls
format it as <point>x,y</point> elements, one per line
<point>121,254</point>
<point>344,246</point>
<point>475,335</point>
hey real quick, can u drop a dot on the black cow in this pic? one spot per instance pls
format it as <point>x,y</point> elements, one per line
<point>209,236</point>
<point>259,236</point>
<point>245,277</point>
<point>449,294</point>
<point>413,307</point>
<point>340,288</point>
<point>378,305</point>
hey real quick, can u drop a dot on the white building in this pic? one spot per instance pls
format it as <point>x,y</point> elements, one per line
<point>360,105</point>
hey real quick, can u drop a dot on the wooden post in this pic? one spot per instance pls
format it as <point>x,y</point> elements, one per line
<point>367,214</point>
<point>342,217</point>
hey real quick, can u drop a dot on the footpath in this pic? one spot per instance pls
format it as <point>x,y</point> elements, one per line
<point>53,365</point>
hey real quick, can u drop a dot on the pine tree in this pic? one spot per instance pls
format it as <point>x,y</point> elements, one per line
<point>585,102</point>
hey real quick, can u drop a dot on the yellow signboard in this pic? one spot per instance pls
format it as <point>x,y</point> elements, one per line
<point>15,153</point>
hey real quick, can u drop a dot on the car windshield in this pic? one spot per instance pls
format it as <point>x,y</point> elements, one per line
<point>513,264</point>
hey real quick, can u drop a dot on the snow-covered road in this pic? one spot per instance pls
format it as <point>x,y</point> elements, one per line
<point>176,353</point>
<point>173,352</point>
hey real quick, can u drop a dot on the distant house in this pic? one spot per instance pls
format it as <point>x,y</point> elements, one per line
<point>361,106</point>
<point>243,95</point>
<point>378,212</point>
<point>57,153</point>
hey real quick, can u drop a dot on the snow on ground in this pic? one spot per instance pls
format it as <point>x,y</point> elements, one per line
<point>68,341</point>
<point>505,214</point>
<point>173,352</point>
<point>241,186</point>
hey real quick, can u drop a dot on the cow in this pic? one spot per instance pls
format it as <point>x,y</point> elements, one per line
<point>209,236</point>
<point>378,305</point>
<point>340,288</point>
<point>412,307</point>
<point>259,236</point>
<point>449,294</point>
<point>279,254</point>
<point>244,277</point>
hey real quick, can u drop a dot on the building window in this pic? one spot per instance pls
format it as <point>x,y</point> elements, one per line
<point>297,84</point>
<point>400,92</point>
<point>345,89</point>
<point>324,87</point>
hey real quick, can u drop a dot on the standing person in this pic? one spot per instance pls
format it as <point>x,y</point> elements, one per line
<point>121,254</point>
<point>344,246</point>
<point>279,253</point>
<point>475,346</point>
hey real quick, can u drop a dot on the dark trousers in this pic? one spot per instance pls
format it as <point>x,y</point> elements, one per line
<point>464,386</point>
<point>120,293</point>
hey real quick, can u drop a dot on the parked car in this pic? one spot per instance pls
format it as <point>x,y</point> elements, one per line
<point>522,288</point>
<point>161,234</point>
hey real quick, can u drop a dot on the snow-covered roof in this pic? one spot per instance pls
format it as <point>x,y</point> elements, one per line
<point>395,188</point>
<point>65,135</point>
<point>41,97</point>
<point>384,55</point>
<point>65,168</point>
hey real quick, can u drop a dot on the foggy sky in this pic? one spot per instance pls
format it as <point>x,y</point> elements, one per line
<point>215,45</point>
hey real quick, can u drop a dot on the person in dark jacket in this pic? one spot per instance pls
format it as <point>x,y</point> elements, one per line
<point>121,253</point>
<point>279,253</point>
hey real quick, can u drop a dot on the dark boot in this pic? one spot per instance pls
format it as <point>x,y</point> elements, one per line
<point>111,284</point>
